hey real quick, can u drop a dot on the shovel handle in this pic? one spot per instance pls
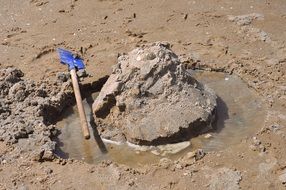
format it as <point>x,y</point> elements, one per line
<point>81,111</point>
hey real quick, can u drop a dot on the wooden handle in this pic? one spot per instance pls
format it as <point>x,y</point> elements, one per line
<point>81,111</point>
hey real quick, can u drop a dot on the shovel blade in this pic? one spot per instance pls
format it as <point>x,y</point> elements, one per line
<point>68,58</point>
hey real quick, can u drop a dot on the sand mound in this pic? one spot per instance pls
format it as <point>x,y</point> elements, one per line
<point>27,109</point>
<point>151,99</point>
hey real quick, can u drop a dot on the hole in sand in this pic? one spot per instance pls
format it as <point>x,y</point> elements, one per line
<point>240,112</point>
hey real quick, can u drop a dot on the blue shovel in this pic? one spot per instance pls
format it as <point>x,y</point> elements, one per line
<point>75,63</point>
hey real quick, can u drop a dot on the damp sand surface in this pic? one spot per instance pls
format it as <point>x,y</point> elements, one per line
<point>240,113</point>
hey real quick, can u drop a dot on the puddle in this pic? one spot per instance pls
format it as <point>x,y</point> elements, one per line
<point>73,145</point>
<point>240,113</point>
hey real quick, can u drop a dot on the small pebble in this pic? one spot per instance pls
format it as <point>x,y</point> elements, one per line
<point>207,136</point>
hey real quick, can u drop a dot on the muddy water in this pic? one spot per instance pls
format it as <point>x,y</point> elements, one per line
<point>240,113</point>
<point>73,145</point>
